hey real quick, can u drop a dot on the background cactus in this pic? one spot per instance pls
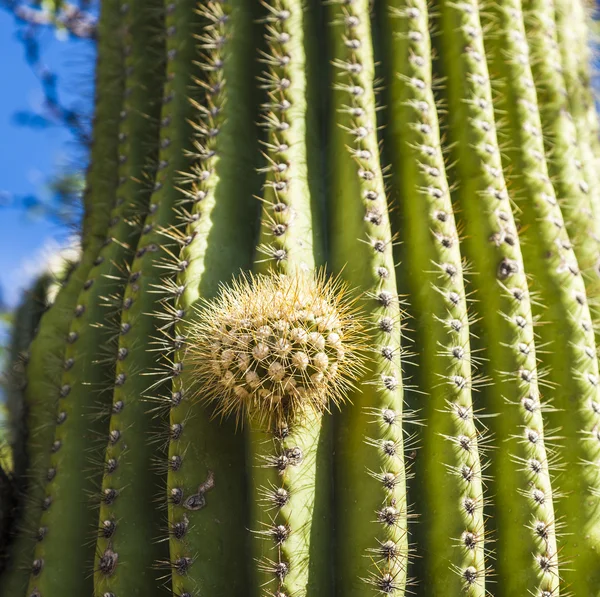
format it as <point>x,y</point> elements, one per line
<point>302,353</point>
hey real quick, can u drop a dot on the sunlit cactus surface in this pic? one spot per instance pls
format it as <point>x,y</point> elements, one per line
<point>333,330</point>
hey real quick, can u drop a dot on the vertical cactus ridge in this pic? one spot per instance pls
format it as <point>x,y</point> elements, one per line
<point>565,159</point>
<point>128,521</point>
<point>206,490</point>
<point>289,458</point>
<point>581,21</point>
<point>46,354</point>
<point>370,509</point>
<point>72,475</point>
<point>287,225</point>
<point>520,480</point>
<point>572,38</point>
<point>449,496</point>
<point>37,299</point>
<point>572,361</point>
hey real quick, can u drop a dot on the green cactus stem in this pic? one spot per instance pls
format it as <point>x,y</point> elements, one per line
<point>13,458</point>
<point>565,157</point>
<point>283,196</point>
<point>520,480</point>
<point>126,522</point>
<point>290,456</point>
<point>571,33</point>
<point>370,507</point>
<point>548,252</point>
<point>37,300</point>
<point>207,510</point>
<point>61,559</point>
<point>448,478</point>
<point>46,355</point>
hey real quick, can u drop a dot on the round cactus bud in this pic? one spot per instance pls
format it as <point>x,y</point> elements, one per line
<point>273,346</point>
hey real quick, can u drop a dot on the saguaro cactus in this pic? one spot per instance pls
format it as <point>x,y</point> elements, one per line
<point>334,327</point>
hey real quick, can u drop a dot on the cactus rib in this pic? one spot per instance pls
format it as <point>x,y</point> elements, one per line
<point>67,517</point>
<point>522,492</point>
<point>289,457</point>
<point>127,522</point>
<point>370,508</point>
<point>451,475</point>
<point>565,160</point>
<point>206,492</point>
<point>46,355</point>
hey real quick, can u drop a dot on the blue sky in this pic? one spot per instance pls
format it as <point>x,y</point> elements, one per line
<point>30,156</point>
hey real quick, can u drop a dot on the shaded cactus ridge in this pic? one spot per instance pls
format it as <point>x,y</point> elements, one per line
<point>207,504</point>
<point>371,507</point>
<point>333,327</point>
<point>37,299</point>
<point>88,373</point>
<point>47,351</point>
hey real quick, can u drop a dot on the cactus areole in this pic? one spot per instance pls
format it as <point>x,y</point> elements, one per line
<point>333,328</point>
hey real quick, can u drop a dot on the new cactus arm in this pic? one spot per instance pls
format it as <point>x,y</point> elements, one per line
<point>46,354</point>
<point>206,490</point>
<point>128,522</point>
<point>64,554</point>
<point>448,493</point>
<point>520,481</point>
<point>572,356</point>
<point>370,508</point>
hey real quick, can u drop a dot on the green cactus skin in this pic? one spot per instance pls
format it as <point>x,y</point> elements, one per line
<point>572,361</point>
<point>46,354</point>
<point>13,458</point>
<point>583,54</point>
<point>126,523</point>
<point>448,492</point>
<point>522,490</point>
<point>565,160</point>
<point>62,561</point>
<point>8,507</point>
<point>370,507</point>
<point>119,338</point>
<point>206,493</point>
<point>573,25</point>
<point>571,34</point>
<point>290,241</point>
<point>38,298</point>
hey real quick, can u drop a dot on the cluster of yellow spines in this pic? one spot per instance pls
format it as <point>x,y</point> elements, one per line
<point>272,345</point>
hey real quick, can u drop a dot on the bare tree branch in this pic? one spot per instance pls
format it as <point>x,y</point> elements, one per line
<point>71,17</point>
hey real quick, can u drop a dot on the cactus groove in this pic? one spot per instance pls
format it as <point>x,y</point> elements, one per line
<point>333,329</point>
